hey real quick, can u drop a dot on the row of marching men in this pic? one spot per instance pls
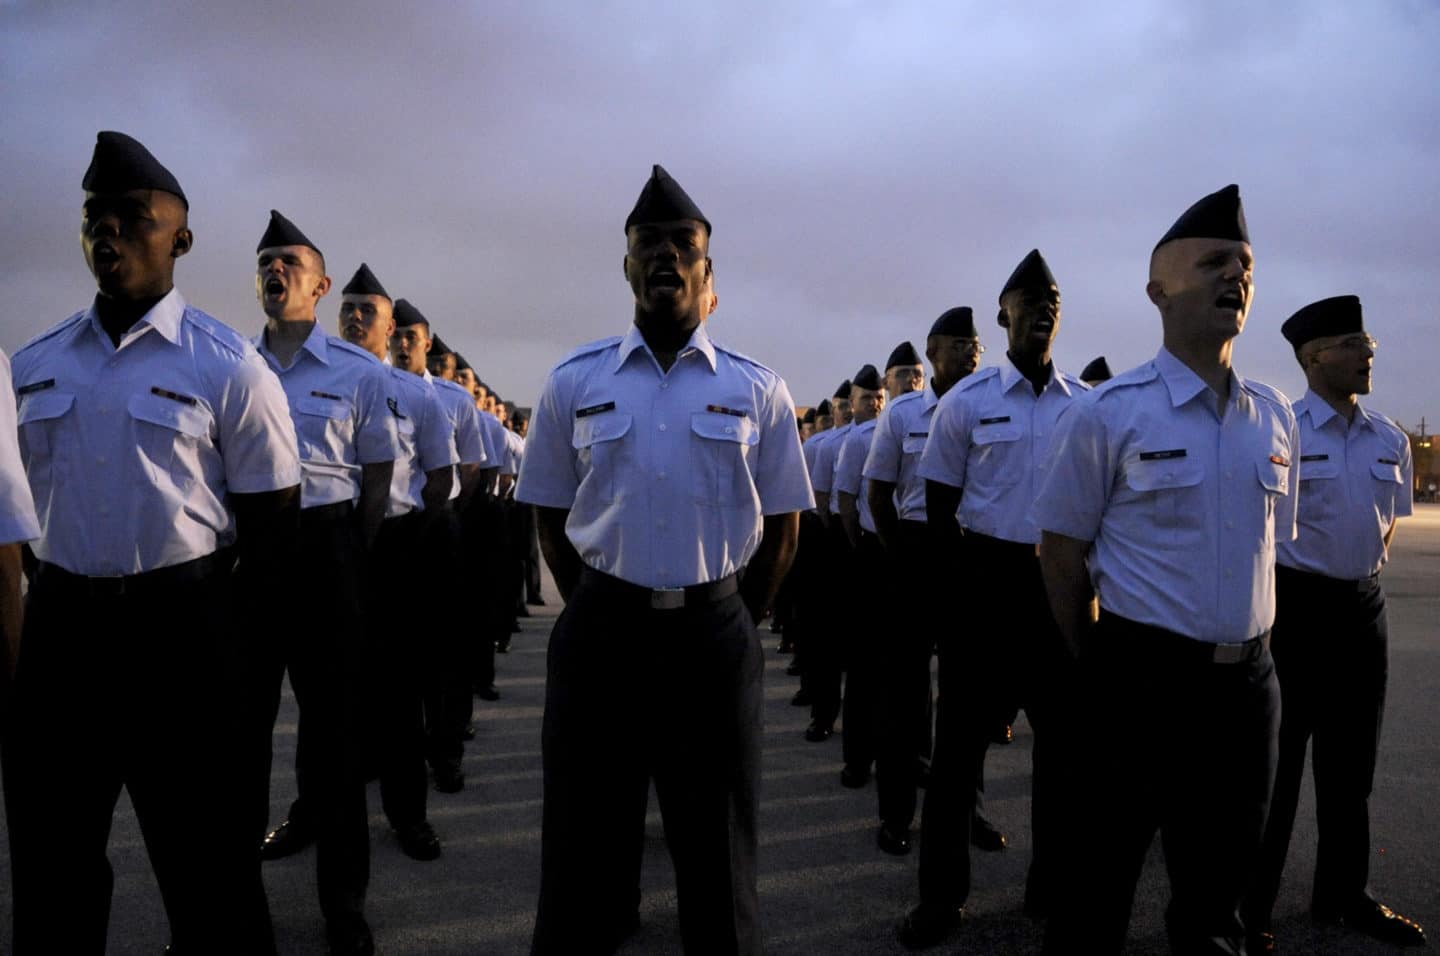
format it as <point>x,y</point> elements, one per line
<point>206,512</point>
<point>937,497</point>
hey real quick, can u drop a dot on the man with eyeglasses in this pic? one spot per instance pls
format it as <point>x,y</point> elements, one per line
<point>897,502</point>
<point>1330,634</point>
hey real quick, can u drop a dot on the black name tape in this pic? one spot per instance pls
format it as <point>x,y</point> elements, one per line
<point>1314,457</point>
<point>1165,455</point>
<point>589,410</point>
<point>721,409</point>
<point>1002,419</point>
<point>918,435</point>
<point>35,387</point>
<point>173,396</point>
<point>319,394</point>
<point>1388,461</point>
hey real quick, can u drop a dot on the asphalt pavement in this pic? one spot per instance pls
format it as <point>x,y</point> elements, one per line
<point>824,886</point>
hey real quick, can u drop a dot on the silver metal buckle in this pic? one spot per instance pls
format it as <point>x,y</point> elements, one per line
<point>1230,653</point>
<point>667,599</point>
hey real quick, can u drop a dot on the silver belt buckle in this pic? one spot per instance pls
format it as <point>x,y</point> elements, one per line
<point>1230,653</point>
<point>667,599</point>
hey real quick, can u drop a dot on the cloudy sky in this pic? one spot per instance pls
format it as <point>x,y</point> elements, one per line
<point>866,164</point>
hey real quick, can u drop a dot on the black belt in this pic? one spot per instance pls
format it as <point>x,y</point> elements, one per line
<point>664,599</point>
<point>1148,638</point>
<point>1324,581</point>
<point>146,582</point>
<point>327,514</point>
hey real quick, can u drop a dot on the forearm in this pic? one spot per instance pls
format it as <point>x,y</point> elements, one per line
<point>12,612</point>
<point>436,493</point>
<point>882,508</point>
<point>850,518</point>
<point>822,507</point>
<point>1067,585</point>
<point>267,538</point>
<point>469,481</point>
<point>374,496</point>
<point>942,501</point>
<point>560,555</point>
<point>772,560</point>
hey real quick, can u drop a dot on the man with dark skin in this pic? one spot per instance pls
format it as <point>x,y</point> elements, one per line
<point>133,610</point>
<point>660,464</point>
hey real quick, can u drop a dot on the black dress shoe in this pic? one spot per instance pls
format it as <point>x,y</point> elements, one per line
<point>893,840</point>
<point>449,780</point>
<point>418,841</point>
<point>1373,918</point>
<point>854,777</point>
<point>985,836</point>
<point>801,699</point>
<point>349,937</point>
<point>285,840</point>
<point>928,924</point>
<point>818,733</point>
<point>1260,944</point>
<point>488,692</point>
<point>786,647</point>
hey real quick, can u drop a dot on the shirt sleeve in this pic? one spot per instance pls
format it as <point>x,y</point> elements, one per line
<point>823,473</point>
<point>1287,512</point>
<point>948,447</point>
<point>1405,500</point>
<point>883,461</point>
<point>1075,488</point>
<point>257,436</point>
<point>376,438</point>
<point>435,437</point>
<point>547,475</point>
<point>17,506</point>
<point>468,442</point>
<point>780,476</point>
<point>850,461</point>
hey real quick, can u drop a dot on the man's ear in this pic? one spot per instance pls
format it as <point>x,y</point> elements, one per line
<point>183,241</point>
<point>323,287</point>
<point>1002,319</point>
<point>625,266</point>
<point>1155,289</point>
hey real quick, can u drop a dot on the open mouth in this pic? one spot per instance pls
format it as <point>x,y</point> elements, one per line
<point>104,254</point>
<point>1230,300</point>
<point>665,280</point>
<point>274,286</point>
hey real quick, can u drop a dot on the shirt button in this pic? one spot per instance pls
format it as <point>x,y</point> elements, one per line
<point>662,426</point>
<point>661,476</point>
<point>1229,524</point>
<point>1229,574</point>
<point>103,410</point>
<point>1229,474</point>
<point>100,460</point>
<point>729,430</point>
<point>660,524</point>
<point>664,384</point>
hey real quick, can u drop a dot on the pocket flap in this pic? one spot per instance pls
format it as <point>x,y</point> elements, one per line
<point>598,428</point>
<point>333,408</point>
<point>41,406</point>
<point>998,432</point>
<point>1163,473</point>
<point>1386,472</point>
<point>1273,477</point>
<point>187,419</point>
<point>1324,468</point>
<point>718,427</point>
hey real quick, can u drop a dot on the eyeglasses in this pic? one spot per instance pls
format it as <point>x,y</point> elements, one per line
<point>1355,343</point>
<point>969,347</point>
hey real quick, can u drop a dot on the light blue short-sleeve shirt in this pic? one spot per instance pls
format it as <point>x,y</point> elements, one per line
<point>895,451</point>
<point>991,436</point>
<point>427,439</point>
<point>336,393</point>
<point>132,451</point>
<point>822,475</point>
<point>493,434</point>
<point>667,475</point>
<point>17,506</point>
<point>1184,505</point>
<point>1356,479</point>
<point>849,465</point>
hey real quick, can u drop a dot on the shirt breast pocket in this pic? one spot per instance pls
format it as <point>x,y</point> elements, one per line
<point>42,418</point>
<point>719,476</point>
<point>168,437</point>
<point>1320,491</point>
<point>1172,488</point>
<point>913,445</point>
<point>322,424</point>
<point>1388,483</point>
<point>997,454</point>
<point>599,443</point>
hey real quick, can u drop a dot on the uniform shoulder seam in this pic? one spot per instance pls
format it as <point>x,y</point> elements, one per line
<point>52,332</point>
<point>335,342</point>
<point>1139,375</point>
<point>590,348</point>
<point>218,332</point>
<point>1267,392</point>
<point>743,358</point>
<point>976,379</point>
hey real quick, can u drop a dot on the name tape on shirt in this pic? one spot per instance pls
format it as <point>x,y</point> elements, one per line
<point>918,435</point>
<point>589,410</point>
<point>1388,461</point>
<point>319,394</point>
<point>999,420</point>
<point>394,407</point>
<point>173,396</point>
<point>721,409</point>
<point>1280,460</point>
<point>1314,457</point>
<point>35,387</point>
<point>1165,455</point>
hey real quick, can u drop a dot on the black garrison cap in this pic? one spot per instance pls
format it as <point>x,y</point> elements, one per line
<point>438,347</point>
<point>1339,315</point>
<point>808,418</point>
<point>407,315</point>
<point>363,282</point>
<point>959,322</point>
<point>867,378</point>
<point>1217,216</point>
<point>1031,273</point>
<point>283,232</point>
<point>662,200</point>
<point>461,363</point>
<point>843,390</point>
<point>121,163</point>
<point>823,408</point>
<point>904,354</point>
<point>1097,371</point>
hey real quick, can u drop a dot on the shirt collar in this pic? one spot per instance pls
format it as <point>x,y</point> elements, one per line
<point>699,342</point>
<point>163,317</point>
<point>1010,377</point>
<point>929,399</point>
<point>1182,382</point>
<point>315,343</point>
<point>1321,412</point>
